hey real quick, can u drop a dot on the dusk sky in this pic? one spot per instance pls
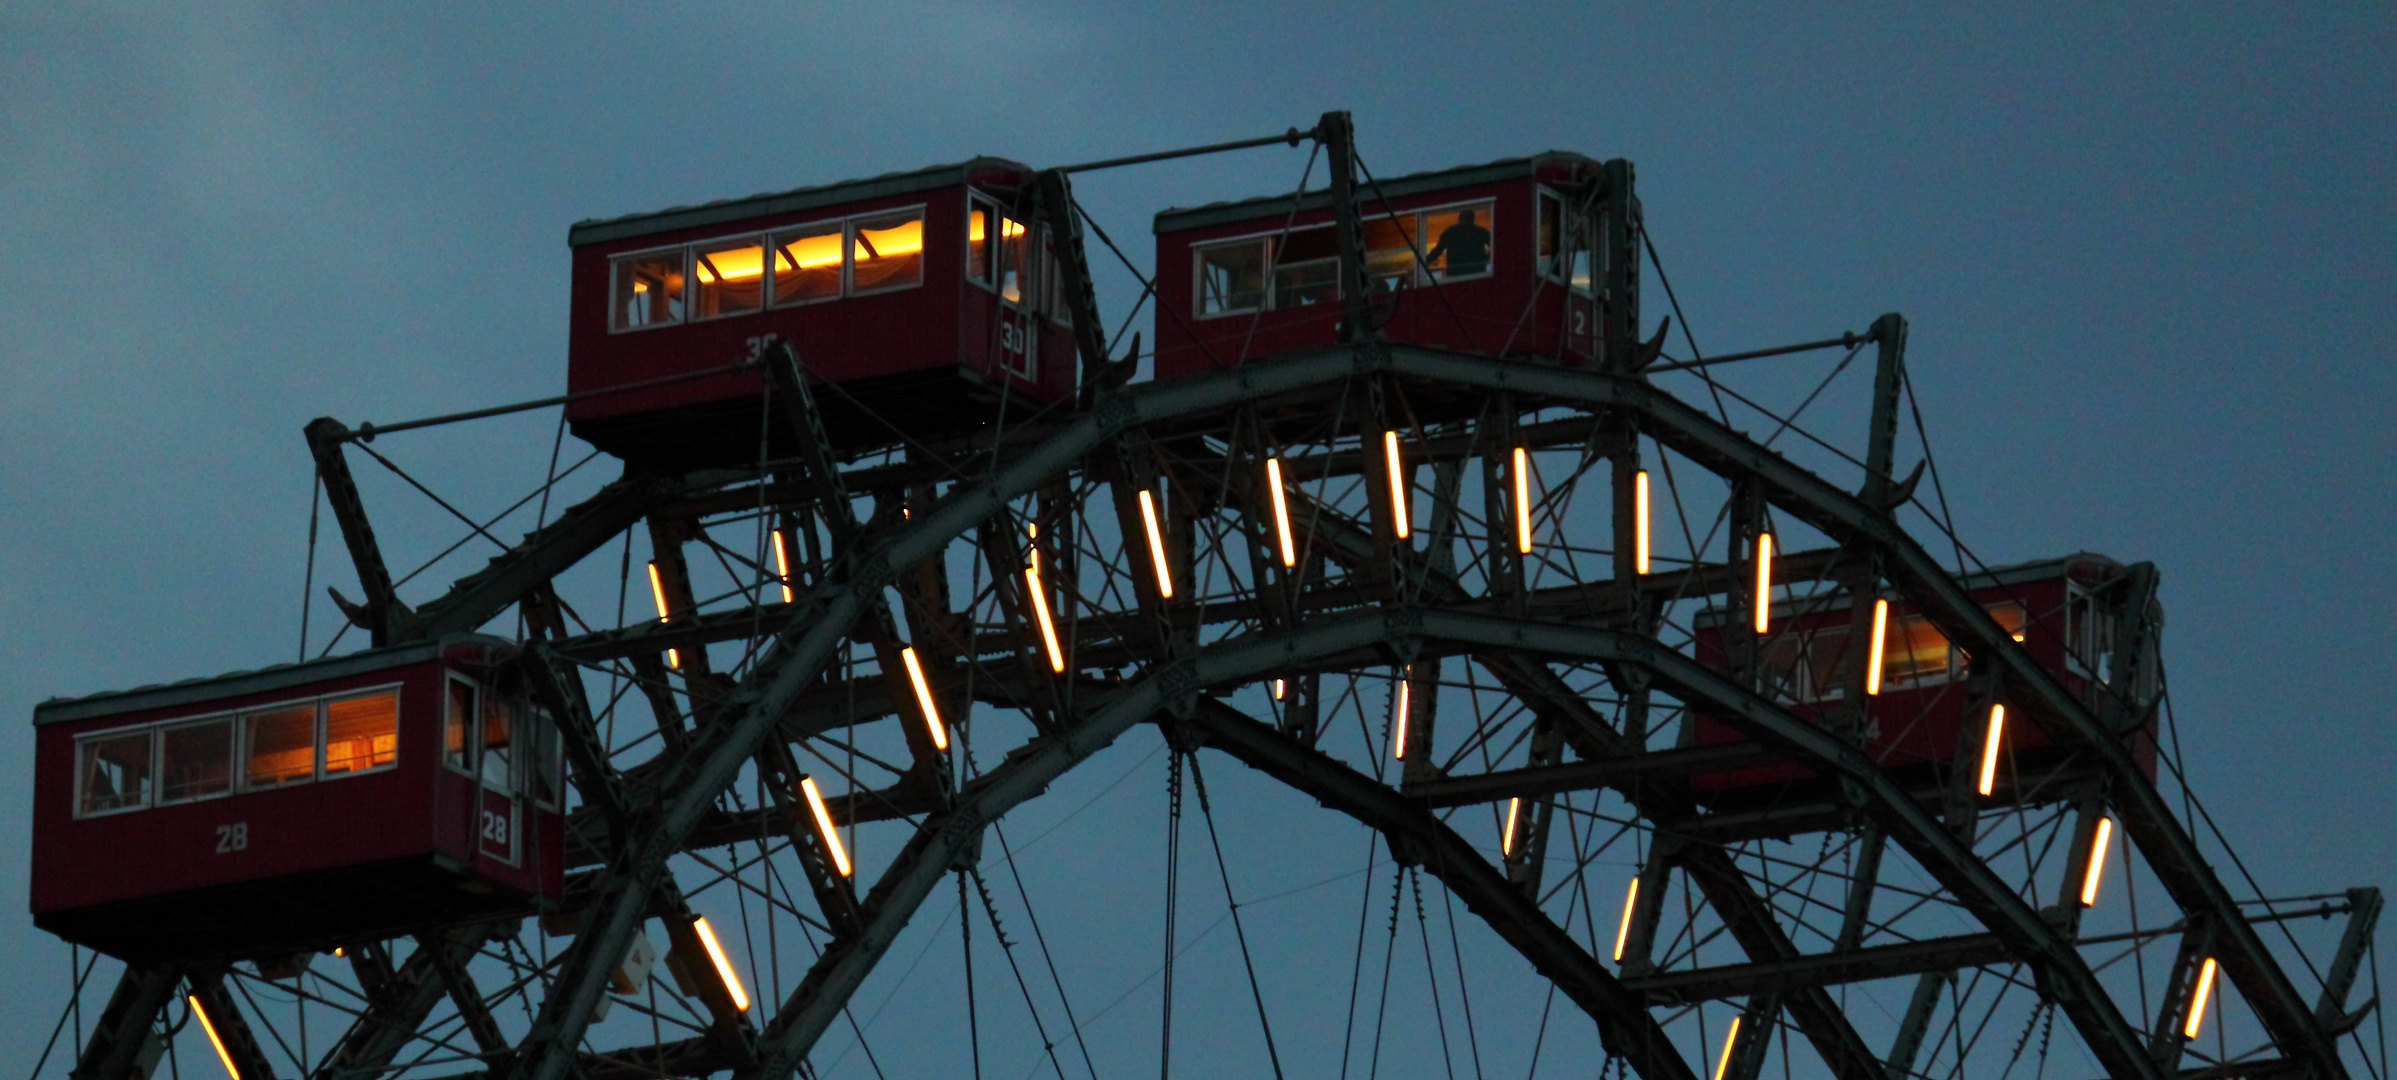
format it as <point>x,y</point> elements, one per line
<point>2148,254</point>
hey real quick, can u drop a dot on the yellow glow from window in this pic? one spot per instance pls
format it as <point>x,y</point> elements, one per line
<point>1506,840</point>
<point>209,1026</point>
<point>1989,748</point>
<point>2097,862</point>
<point>1148,517</point>
<point>1522,501</point>
<point>811,252</point>
<point>932,723</point>
<point>1040,607</point>
<point>1623,932</point>
<point>731,264</point>
<point>782,563</point>
<point>1872,667</point>
<point>903,238</point>
<point>715,952</point>
<point>1398,484</point>
<point>1764,581</point>
<point>1639,522</point>
<point>1398,719</point>
<point>2197,1001</point>
<point>1730,1040</point>
<point>1281,511</point>
<point>824,829</point>
<point>640,287</point>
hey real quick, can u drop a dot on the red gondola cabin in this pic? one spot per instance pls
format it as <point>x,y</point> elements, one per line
<point>927,298</point>
<point>295,808</point>
<point>2061,610</point>
<point>1503,259</point>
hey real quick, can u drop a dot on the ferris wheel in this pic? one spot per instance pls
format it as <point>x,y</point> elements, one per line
<point>1517,692</point>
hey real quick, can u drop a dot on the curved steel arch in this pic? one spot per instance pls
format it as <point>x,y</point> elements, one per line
<point>1174,687</point>
<point>690,782</point>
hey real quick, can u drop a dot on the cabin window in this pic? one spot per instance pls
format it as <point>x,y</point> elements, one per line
<point>648,290</point>
<point>1915,653</point>
<point>1306,269</point>
<point>498,743</point>
<point>457,726</point>
<point>1015,260</point>
<point>978,250</point>
<point>113,772</point>
<point>1460,242</point>
<point>807,263</point>
<point>1052,273</point>
<point>279,746</point>
<point>2011,618</point>
<point>730,279</point>
<point>361,733</point>
<point>195,760</point>
<point>1231,277</point>
<point>1390,245</point>
<point>1565,244</point>
<point>2088,635</point>
<point>887,252</point>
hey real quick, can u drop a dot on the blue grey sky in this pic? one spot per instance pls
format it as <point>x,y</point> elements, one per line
<point>2148,253</point>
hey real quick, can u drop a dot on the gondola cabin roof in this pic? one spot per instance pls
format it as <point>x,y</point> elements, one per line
<point>1560,167</point>
<point>979,170</point>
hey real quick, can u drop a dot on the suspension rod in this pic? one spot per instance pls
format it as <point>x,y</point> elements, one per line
<point>1292,137</point>
<point>1846,341</point>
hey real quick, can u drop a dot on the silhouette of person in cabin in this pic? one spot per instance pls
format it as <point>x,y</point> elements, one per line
<point>1467,246</point>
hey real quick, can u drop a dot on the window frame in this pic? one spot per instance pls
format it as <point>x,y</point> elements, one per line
<point>232,722</point>
<point>1198,274</point>
<point>616,266</point>
<point>149,798</point>
<point>241,743</point>
<point>761,241</point>
<point>1423,272</point>
<point>989,281</point>
<point>324,720</point>
<point>766,239</point>
<point>474,728</point>
<point>923,214</point>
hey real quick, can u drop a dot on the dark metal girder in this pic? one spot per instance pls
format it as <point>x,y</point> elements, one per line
<point>544,553</point>
<point>1584,775</point>
<point>1821,969</point>
<point>1625,1027</point>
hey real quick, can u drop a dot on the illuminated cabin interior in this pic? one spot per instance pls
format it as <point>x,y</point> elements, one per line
<point>928,301</point>
<point>1502,259</point>
<point>295,808</point>
<point>2063,611</point>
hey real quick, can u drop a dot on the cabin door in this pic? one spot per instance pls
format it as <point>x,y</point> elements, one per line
<point>499,810</point>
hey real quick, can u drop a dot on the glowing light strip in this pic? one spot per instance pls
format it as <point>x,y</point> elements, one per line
<point>1623,933</point>
<point>1506,840</point>
<point>1040,607</point>
<point>657,592</point>
<point>1639,522</point>
<point>915,674</point>
<point>209,1026</point>
<point>1398,484</point>
<point>1989,748</point>
<point>2097,862</point>
<point>1730,1039</point>
<point>715,952</point>
<point>782,564</point>
<point>1522,501</point>
<point>1281,512</point>
<point>1872,667</point>
<point>2197,1001</point>
<point>1148,517</point>
<point>1277,689</point>
<point>1398,745</point>
<point>1764,581</point>
<point>824,829</point>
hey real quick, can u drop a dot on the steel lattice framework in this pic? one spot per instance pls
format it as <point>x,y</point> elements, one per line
<point>1558,681</point>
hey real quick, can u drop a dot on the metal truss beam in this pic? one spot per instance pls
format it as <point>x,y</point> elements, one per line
<point>2170,849</point>
<point>126,1022</point>
<point>1821,969</point>
<point>394,1017</point>
<point>1624,1024</point>
<point>478,597</point>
